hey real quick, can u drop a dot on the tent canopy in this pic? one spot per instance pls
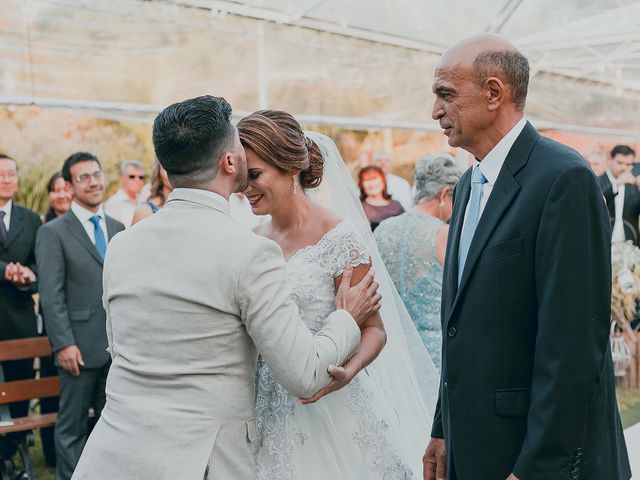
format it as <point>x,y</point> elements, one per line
<point>355,63</point>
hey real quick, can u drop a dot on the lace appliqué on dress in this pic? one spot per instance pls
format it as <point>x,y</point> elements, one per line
<point>311,273</point>
<point>383,459</point>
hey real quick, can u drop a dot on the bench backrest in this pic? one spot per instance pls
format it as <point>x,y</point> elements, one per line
<point>27,389</point>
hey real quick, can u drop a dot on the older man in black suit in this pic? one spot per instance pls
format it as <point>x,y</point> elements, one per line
<point>18,229</point>
<point>527,387</point>
<point>70,251</point>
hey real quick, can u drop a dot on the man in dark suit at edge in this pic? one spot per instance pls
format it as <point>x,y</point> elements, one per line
<point>527,388</point>
<point>18,229</point>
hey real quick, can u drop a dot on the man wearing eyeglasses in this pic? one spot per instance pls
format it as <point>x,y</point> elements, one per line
<point>18,229</point>
<point>70,252</point>
<point>122,205</point>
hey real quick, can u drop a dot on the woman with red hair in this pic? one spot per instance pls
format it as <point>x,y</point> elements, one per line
<point>376,201</point>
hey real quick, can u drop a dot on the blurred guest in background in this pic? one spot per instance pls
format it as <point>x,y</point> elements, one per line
<point>376,201</point>
<point>159,192</point>
<point>59,197</point>
<point>397,187</point>
<point>122,205</point>
<point>597,162</point>
<point>412,246</point>
<point>620,190</point>
<point>59,204</point>
<point>18,229</point>
<point>70,252</point>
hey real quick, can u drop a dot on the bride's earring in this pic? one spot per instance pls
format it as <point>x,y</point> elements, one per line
<point>295,184</point>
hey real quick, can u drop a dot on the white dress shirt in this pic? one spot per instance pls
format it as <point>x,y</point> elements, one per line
<point>122,208</point>
<point>617,235</point>
<point>84,215</point>
<point>400,190</point>
<point>493,162</point>
<point>7,217</point>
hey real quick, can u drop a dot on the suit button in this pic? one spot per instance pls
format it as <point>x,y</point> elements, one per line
<point>452,332</point>
<point>445,385</point>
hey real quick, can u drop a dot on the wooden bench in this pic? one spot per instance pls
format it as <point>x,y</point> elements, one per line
<point>22,390</point>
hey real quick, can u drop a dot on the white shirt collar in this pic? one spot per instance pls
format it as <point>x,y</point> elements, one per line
<point>83,214</point>
<point>492,163</point>
<point>7,208</point>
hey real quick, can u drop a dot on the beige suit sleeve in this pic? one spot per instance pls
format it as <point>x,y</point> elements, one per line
<point>298,359</point>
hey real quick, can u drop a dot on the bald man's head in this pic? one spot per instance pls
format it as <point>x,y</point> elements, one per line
<point>490,55</point>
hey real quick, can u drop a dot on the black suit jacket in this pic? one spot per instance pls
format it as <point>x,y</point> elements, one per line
<point>17,315</point>
<point>70,284</point>
<point>527,379</point>
<point>630,211</point>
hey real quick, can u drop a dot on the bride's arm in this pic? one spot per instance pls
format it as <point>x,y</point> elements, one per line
<point>372,340</point>
<point>373,337</point>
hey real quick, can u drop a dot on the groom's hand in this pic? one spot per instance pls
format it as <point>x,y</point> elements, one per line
<point>362,300</point>
<point>512,477</point>
<point>434,461</point>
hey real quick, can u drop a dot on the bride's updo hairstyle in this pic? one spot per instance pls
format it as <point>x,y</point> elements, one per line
<point>277,138</point>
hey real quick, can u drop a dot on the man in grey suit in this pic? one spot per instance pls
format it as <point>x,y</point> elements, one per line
<point>70,252</point>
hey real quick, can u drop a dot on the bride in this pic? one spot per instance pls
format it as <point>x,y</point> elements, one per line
<point>377,425</point>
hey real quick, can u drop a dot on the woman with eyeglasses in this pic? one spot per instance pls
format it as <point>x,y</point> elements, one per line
<point>160,190</point>
<point>413,245</point>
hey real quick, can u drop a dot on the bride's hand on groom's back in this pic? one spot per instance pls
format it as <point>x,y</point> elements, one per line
<point>361,300</point>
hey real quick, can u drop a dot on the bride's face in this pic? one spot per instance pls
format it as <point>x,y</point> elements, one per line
<point>269,188</point>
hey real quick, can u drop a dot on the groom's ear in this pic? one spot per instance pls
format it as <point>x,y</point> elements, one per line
<point>227,164</point>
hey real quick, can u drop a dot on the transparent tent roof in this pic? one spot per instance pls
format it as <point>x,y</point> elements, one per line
<point>352,63</point>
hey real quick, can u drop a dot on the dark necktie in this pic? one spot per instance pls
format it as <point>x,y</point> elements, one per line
<point>3,227</point>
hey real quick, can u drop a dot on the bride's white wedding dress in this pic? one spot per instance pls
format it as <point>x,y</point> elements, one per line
<point>351,434</point>
<point>377,426</point>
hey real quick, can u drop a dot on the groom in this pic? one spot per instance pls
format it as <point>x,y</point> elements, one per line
<point>527,380</point>
<point>191,298</point>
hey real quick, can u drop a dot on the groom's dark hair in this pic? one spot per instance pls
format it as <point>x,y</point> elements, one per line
<point>190,136</point>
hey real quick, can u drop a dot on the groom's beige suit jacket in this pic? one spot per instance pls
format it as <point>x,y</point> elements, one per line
<point>191,298</point>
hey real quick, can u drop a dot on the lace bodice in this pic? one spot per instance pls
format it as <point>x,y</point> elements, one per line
<point>286,431</point>
<point>312,270</point>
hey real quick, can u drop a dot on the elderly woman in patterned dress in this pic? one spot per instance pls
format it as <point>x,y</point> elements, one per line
<point>413,245</point>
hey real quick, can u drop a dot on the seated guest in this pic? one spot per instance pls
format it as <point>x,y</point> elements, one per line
<point>70,252</point>
<point>620,190</point>
<point>59,197</point>
<point>122,205</point>
<point>160,190</point>
<point>18,229</point>
<point>376,201</point>
<point>397,187</point>
<point>413,245</point>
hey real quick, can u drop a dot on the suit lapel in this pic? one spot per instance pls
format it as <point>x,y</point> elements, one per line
<point>112,227</point>
<point>77,230</point>
<point>16,225</point>
<point>504,191</point>
<point>463,190</point>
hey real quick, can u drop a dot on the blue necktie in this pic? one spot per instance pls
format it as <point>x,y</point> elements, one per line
<point>469,227</point>
<point>101,242</point>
